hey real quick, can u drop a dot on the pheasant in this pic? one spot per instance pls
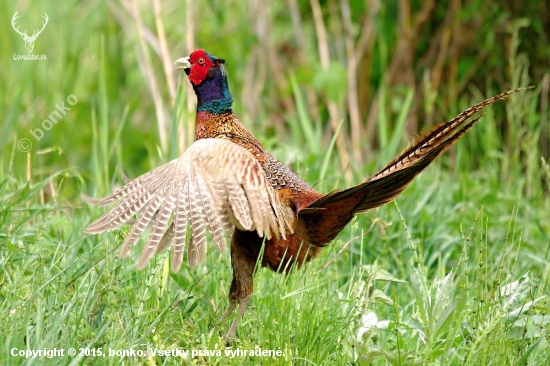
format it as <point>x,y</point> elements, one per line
<point>227,183</point>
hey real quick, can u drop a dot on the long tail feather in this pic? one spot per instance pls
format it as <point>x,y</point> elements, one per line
<point>389,182</point>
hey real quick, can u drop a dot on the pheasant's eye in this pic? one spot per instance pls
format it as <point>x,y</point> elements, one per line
<point>201,61</point>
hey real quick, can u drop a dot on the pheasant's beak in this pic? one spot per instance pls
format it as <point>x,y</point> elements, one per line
<point>184,61</point>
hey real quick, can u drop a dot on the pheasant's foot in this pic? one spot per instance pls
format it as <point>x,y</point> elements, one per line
<point>232,332</point>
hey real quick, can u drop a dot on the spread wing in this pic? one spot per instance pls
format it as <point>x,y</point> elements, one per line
<point>215,184</point>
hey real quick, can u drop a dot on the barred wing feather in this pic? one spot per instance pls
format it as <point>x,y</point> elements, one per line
<point>215,185</point>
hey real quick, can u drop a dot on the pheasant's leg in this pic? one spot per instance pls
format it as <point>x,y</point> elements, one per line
<point>243,261</point>
<point>232,332</point>
<point>229,309</point>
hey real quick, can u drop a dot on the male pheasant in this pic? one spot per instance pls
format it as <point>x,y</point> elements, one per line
<point>228,183</point>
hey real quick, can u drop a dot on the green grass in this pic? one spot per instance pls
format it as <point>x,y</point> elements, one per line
<point>62,288</point>
<point>455,272</point>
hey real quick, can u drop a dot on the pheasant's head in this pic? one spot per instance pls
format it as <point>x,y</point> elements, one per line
<point>201,65</point>
<point>209,79</point>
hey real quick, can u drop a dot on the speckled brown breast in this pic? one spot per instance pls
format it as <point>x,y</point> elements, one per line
<point>228,126</point>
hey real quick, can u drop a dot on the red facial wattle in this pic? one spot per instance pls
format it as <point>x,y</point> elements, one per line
<point>201,63</point>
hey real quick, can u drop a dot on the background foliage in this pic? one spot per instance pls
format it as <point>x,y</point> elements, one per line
<point>455,272</point>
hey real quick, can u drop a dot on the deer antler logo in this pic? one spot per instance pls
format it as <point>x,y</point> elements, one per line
<point>29,41</point>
